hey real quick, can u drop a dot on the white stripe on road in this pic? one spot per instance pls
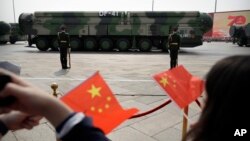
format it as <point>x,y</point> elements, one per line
<point>75,79</point>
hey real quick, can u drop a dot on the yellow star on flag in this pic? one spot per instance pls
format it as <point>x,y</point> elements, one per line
<point>96,100</point>
<point>164,81</point>
<point>94,91</point>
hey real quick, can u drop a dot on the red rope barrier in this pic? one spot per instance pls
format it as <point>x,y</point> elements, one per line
<point>198,103</point>
<point>159,107</point>
<point>152,110</point>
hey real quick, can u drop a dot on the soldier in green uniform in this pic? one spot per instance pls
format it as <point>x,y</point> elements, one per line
<point>174,41</point>
<point>63,41</point>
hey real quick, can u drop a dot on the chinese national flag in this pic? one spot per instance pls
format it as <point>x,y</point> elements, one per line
<point>180,85</point>
<point>94,98</point>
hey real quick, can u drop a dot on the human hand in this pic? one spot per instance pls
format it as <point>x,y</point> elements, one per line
<point>32,100</point>
<point>28,98</point>
<point>15,120</point>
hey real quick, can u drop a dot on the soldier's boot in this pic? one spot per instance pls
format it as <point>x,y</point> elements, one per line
<point>66,62</point>
<point>173,63</point>
<point>64,65</point>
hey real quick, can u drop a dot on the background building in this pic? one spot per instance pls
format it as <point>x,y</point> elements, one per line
<point>223,21</point>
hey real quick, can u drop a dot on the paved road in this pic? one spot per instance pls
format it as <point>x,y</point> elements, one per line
<point>129,75</point>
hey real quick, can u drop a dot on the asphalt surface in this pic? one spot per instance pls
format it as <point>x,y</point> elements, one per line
<point>129,75</point>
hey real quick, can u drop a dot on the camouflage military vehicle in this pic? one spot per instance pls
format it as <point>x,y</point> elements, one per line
<point>108,30</point>
<point>4,32</point>
<point>240,34</point>
<point>10,32</point>
<point>16,34</point>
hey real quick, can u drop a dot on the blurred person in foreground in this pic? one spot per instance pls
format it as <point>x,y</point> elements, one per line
<point>16,120</point>
<point>70,126</point>
<point>227,104</point>
<point>225,110</point>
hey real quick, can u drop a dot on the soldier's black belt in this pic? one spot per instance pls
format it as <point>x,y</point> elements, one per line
<point>63,41</point>
<point>173,43</point>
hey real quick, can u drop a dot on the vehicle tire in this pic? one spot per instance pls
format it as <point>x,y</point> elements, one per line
<point>3,42</point>
<point>164,45</point>
<point>90,44</point>
<point>123,44</point>
<point>75,44</point>
<point>13,39</point>
<point>42,44</point>
<point>29,40</point>
<point>12,42</point>
<point>156,43</point>
<point>240,42</point>
<point>29,43</point>
<point>144,44</point>
<point>106,44</point>
<point>54,44</point>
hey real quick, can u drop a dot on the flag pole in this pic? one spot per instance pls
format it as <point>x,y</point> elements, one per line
<point>69,57</point>
<point>13,4</point>
<point>153,2</point>
<point>185,123</point>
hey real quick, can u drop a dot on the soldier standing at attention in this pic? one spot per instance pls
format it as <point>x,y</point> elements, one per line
<point>174,41</point>
<point>63,41</point>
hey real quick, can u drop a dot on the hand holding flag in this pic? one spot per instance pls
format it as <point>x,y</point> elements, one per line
<point>95,99</point>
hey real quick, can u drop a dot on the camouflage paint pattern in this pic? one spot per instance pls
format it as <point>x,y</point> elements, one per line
<point>118,24</point>
<point>10,32</point>
<point>16,34</point>
<point>4,32</point>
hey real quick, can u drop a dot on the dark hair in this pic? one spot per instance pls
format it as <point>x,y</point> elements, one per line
<point>62,27</point>
<point>227,87</point>
<point>175,29</point>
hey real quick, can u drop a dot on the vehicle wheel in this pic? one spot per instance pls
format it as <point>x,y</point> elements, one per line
<point>90,44</point>
<point>29,43</point>
<point>240,43</point>
<point>13,39</point>
<point>42,44</point>
<point>164,45</point>
<point>106,44</point>
<point>12,42</point>
<point>3,42</point>
<point>29,40</point>
<point>123,44</point>
<point>54,44</point>
<point>75,44</point>
<point>145,44</point>
<point>156,43</point>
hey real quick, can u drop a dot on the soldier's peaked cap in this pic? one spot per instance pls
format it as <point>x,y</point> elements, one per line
<point>63,27</point>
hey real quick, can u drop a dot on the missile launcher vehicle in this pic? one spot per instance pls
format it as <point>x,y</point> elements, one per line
<point>10,32</point>
<point>240,34</point>
<point>4,32</point>
<point>108,30</point>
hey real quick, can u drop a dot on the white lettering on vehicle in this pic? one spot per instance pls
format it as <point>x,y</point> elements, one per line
<point>108,13</point>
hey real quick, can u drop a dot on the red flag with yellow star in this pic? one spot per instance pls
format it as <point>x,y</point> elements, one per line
<point>95,99</point>
<point>180,85</point>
